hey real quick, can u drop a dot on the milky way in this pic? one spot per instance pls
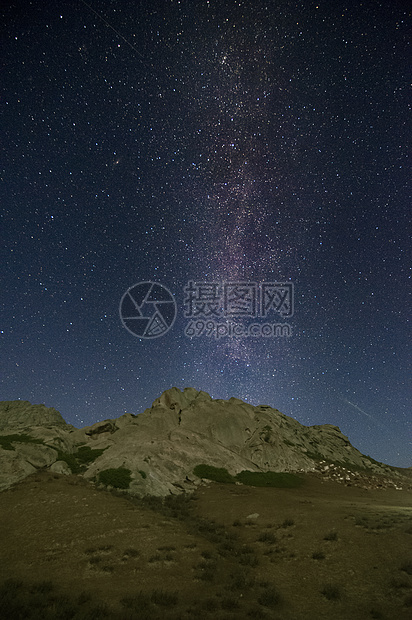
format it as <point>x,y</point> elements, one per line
<point>239,144</point>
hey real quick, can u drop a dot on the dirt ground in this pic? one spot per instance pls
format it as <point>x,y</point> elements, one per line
<point>321,551</point>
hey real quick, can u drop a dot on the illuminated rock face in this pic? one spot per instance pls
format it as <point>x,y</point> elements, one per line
<point>162,445</point>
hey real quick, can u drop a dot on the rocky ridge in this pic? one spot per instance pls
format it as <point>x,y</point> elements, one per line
<point>182,429</point>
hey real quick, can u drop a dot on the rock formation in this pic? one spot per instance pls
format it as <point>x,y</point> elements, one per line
<point>162,445</point>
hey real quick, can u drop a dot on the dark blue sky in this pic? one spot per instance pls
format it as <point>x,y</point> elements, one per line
<point>214,142</point>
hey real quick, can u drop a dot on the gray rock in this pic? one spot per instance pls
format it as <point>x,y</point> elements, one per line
<point>13,468</point>
<point>60,467</point>
<point>182,429</point>
<point>20,414</point>
<point>37,455</point>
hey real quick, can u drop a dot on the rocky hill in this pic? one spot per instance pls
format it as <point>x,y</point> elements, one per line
<point>156,451</point>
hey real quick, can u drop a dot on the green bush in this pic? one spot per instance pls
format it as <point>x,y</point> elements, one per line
<point>86,455</point>
<point>78,460</point>
<point>331,592</point>
<point>164,599</point>
<point>70,460</point>
<point>6,441</point>
<point>119,477</point>
<point>315,456</point>
<point>267,537</point>
<point>407,567</point>
<point>142,473</point>
<point>269,479</point>
<point>250,478</point>
<point>218,474</point>
<point>270,598</point>
<point>332,535</point>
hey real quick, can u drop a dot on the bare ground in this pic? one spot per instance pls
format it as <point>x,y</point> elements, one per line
<point>322,551</point>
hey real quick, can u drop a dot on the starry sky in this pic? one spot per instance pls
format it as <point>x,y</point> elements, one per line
<point>221,143</point>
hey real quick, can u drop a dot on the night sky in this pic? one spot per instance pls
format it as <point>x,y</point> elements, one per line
<point>227,144</point>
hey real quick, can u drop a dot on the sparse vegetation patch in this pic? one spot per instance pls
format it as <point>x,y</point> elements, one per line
<point>117,477</point>
<point>218,474</point>
<point>78,461</point>
<point>280,480</point>
<point>6,441</point>
<point>331,592</point>
<point>270,597</point>
<point>249,478</point>
<point>407,567</point>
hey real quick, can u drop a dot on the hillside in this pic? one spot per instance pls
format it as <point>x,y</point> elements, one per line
<point>95,522</point>
<point>156,451</point>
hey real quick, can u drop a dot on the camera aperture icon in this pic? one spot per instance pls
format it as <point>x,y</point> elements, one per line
<point>148,310</point>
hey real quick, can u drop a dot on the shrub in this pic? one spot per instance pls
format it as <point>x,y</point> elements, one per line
<point>43,587</point>
<point>318,555</point>
<point>331,592</point>
<point>84,597</point>
<point>408,601</point>
<point>250,478</point>
<point>315,456</point>
<point>267,537</point>
<point>376,614</point>
<point>143,474</point>
<point>131,553</point>
<point>240,580</point>
<point>407,567</point>
<point>210,604</point>
<point>86,455</point>
<point>218,474</point>
<point>331,536</point>
<point>207,575</point>
<point>207,555</point>
<point>248,559</point>
<point>139,602</point>
<point>288,523</point>
<point>246,549</point>
<point>229,603</point>
<point>269,479</point>
<point>164,599</point>
<point>12,585</point>
<point>6,441</point>
<point>119,477</point>
<point>270,598</point>
<point>257,613</point>
<point>70,460</point>
<point>78,460</point>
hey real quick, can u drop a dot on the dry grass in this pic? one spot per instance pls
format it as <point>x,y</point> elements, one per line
<point>71,551</point>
